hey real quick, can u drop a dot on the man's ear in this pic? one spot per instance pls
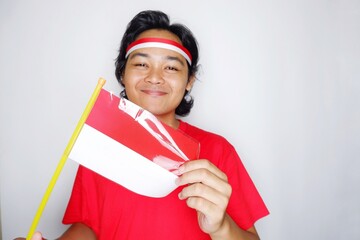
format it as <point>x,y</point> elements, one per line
<point>190,83</point>
<point>122,79</point>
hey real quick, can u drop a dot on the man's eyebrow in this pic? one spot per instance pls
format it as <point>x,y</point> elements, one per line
<point>139,54</point>
<point>175,59</point>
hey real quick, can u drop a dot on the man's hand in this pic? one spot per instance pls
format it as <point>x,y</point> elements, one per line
<point>208,192</point>
<point>36,236</point>
<point>78,231</point>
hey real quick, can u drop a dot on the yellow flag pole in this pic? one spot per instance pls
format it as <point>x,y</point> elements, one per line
<point>65,156</point>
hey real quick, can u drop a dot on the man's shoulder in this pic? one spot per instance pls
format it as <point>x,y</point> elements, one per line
<point>202,135</point>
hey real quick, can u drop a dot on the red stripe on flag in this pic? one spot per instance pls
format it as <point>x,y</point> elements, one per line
<point>107,118</point>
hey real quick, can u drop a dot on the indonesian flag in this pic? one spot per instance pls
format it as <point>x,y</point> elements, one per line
<point>130,146</point>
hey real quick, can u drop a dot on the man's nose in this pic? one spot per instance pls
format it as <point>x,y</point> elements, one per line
<point>155,76</point>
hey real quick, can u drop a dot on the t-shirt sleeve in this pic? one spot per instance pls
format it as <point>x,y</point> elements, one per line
<point>246,205</point>
<point>83,196</point>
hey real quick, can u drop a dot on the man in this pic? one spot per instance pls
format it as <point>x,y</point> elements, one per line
<point>216,199</point>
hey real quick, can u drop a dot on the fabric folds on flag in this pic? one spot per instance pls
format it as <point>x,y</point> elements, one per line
<point>129,146</point>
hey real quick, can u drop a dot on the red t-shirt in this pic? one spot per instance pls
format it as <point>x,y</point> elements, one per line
<point>114,212</point>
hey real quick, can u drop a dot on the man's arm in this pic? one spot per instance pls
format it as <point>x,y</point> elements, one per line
<point>208,192</point>
<point>230,230</point>
<point>78,231</point>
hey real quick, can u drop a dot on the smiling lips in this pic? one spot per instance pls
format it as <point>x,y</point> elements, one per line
<point>154,92</point>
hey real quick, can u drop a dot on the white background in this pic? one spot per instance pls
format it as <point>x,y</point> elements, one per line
<point>279,79</point>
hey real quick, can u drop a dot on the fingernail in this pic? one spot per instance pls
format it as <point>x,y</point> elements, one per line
<point>180,196</point>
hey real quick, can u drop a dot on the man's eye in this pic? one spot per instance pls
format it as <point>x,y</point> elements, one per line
<point>172,68</point>
<point>140,65</point>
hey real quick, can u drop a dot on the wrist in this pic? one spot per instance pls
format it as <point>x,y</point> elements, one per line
<point>223,232</point>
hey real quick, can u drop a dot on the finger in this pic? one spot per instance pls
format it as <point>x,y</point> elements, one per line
<point>205,207</point>
<point>202,164</point>
<point>37,236</point>
<point>207,178</point>
<point>200,190</point>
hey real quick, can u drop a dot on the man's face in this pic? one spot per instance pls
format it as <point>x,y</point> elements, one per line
<point>156,78</point>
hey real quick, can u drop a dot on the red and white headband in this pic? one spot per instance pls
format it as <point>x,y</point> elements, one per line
<point>159,43</point>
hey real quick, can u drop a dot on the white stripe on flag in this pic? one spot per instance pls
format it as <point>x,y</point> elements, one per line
<point>120,164</point>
